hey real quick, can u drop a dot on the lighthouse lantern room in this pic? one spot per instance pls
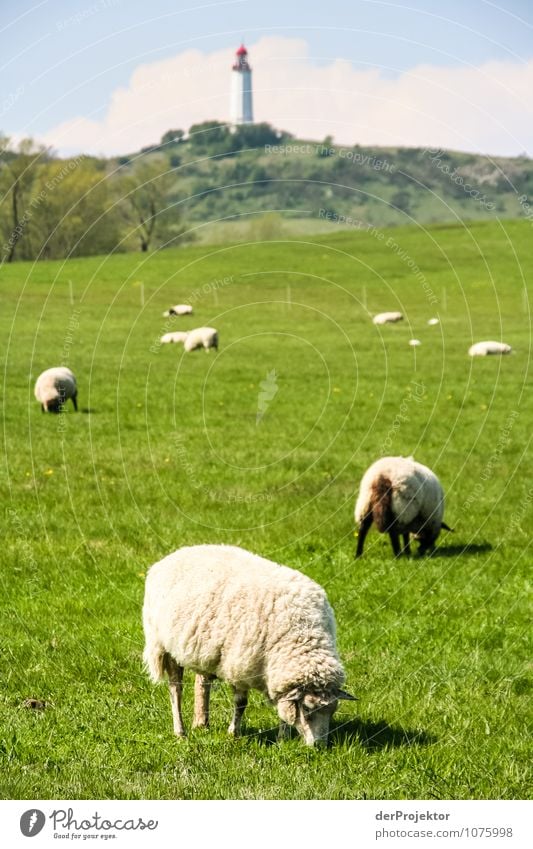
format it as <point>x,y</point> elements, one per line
<point>241,89</point>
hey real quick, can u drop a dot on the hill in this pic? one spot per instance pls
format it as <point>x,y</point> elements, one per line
<point>311,185</point>
<point>256,183</point>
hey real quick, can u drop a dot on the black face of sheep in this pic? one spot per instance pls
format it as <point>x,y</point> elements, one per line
<point>55,405</point>
<point>310,712</point>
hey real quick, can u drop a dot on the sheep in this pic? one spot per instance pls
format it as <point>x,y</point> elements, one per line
<point>414,343</point>
<point>55,386</point>
<point>482,349</point>
<point>178,309</point>
<point>201,337</point>
<point>175,336</point>
<point>387,317</point>
<point>229,614</point>
<point>401,496</point>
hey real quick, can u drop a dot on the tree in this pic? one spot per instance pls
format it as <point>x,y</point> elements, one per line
<point>76,217</point>
<point>172,137</point>
<point>18,172</point>
<point>257,135</point>
<point>143,194</point>
<point>211,137</point>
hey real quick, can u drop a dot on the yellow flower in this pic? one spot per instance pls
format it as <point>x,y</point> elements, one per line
<point>49,472</point>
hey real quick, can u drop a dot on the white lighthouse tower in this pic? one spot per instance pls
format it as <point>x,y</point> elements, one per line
<point>241,89</point>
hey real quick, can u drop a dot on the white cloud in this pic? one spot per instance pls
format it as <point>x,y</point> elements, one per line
<point>486,109</point>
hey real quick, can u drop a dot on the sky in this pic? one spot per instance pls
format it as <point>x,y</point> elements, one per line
<point>111,76</point>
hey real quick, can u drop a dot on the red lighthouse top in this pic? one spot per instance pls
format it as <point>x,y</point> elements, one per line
<point>241,60</point>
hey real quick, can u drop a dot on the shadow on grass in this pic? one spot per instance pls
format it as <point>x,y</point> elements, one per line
<point>378,735</point>
<point>368,735</point>
<point>87,410</point>
<point>456,550</point>
<point>264,738</point>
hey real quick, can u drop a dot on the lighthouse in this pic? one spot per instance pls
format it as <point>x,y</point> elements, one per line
<point>241,89</point>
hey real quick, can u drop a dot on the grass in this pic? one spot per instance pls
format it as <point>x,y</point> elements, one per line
<point>166,452</point>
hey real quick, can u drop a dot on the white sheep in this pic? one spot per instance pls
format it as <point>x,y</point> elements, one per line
<point>178,309</point>
<point>402,497</point>
<point>230,614</point>
<point>201,337</point>
<point>482,349</point>
<point>387,317</point>
<point>54,387</point>
<point>175,336</point>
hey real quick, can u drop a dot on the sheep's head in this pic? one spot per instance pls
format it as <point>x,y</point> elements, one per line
<point>54,405</point>
<point>310,711</point>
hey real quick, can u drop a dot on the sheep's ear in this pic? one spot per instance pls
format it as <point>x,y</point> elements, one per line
<point>293,695</point>
<point>342,694</point>
<point>446,527</point>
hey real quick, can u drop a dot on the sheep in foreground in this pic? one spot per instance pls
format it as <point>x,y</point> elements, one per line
<point>402,497</point>
<point>483,349</point>
<point>175,336</point>
<point>54,387</point>
<point>387,317</point>
<point>178,309</point>
<point>201,337</point>
<point>230,614</point>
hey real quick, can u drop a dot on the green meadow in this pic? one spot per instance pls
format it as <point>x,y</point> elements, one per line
<point>262,444</point>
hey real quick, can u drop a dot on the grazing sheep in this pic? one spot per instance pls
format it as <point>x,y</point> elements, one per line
<point>178,309</point>
<point>201,337</point>
<point>55,386</point>
<point>482,349</point>
<point>175,336</point>
<point>230,614</point>
<point>414,343</point>
<point>402,497</point>
<point>433,321</point>
<point>387,317</point>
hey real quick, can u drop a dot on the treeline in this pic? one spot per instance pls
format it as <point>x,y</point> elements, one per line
<point>53,208</point>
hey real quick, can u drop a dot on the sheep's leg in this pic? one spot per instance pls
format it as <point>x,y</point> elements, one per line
<point>175,684</point>
<point>363,530</point>
<point>284,730</point>
<point>426,548</point>
<point>75,401</point>
<point>395,542</point>
<point>202,692</point>
<point>240,700</point>
<point>406,546</point>
<point>42,408</point>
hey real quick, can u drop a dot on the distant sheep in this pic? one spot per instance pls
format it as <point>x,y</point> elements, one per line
<point>414,343</point>
<point>483,349</point>
<point>387,317</point>
<point>54,387</point>
<point>402,497</point>
<point>201,337</point>
<point>176,336</point>
<point>230,614</point>
<point>178,309</point>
